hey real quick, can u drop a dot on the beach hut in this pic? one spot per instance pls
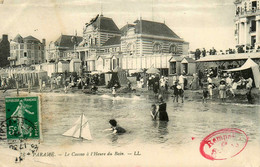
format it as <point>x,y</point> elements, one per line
<point>250,64</point>
<point>188,65</point>
<point>75,65</point>
<point>49,67</point>
<point>118,77</point>
<point>63,66</point>
<point>175,65</point>
<point>152,70</point>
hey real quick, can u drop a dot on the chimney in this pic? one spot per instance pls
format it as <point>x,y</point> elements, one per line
<point>5,37</point>
<point>44,41</point>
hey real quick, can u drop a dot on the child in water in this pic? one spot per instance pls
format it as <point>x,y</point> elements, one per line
<point>115,128</point>
<point>154,112</point>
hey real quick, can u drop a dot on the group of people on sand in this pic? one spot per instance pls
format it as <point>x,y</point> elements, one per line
<point>226,85</point>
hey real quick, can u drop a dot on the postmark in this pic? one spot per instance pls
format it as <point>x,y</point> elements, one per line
<point>223,144</point>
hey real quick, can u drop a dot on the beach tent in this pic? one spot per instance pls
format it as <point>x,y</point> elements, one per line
<point>119,77</point>
<point>255,69</point>
<point>152,70</point>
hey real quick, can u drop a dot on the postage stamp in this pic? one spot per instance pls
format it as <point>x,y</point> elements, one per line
<point>223,144</point>
<point>22,118</point>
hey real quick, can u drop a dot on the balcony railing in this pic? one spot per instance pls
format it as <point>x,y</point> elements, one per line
<point>248,12</point>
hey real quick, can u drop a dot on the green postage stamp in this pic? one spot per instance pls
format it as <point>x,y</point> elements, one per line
<point>22,118</point>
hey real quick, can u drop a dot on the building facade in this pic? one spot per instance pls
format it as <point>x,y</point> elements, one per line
<point>140,45</point>
<point>146,44</point>
<point>26,51</point>
<point>63,48</point>
<point>96,33</point>
<point>4,50</point>
<point>247,23</point>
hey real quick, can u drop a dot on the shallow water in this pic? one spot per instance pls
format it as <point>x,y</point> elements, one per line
<point>191,119</point>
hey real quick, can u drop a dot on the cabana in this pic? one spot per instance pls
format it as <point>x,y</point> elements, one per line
<point>188,65</point>
<point>255,70</point>
<point>118,77</point>
<point>152,70</point>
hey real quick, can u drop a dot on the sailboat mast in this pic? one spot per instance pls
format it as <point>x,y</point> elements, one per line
<point>80,131</point>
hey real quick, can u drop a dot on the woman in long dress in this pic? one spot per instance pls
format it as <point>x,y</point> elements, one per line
<point>222,90</point>
<point>163,116</point>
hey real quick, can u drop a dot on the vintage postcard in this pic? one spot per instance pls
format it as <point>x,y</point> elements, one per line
<point>127,83</point>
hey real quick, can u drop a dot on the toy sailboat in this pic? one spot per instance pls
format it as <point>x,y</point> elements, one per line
<point>80,129</point>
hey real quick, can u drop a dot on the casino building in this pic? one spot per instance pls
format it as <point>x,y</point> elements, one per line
<point>140,45</point>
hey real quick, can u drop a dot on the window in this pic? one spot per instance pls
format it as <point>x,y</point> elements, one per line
<point>237,11</point>
<point>114,63</point>
<point>253,26</point>
<point>157,48</point>
<point>173,49</point>
<point>117,60</point>
<point>130,49</point>
<point>21,46</point>
<point>254,6</point>
<point>25,54</point>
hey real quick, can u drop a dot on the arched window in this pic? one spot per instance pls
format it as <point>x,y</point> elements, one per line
<point>157,48</point>
<point>130,49</point>
<point>173,49</point>
<point>238,10</point>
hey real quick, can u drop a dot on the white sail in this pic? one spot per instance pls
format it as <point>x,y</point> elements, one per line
<point>85,132</point>
<point>80,129</point>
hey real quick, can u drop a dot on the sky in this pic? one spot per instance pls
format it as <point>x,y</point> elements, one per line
<point>202,23</point>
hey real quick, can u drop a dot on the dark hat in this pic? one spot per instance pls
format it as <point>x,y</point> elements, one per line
<point>113,122</point>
